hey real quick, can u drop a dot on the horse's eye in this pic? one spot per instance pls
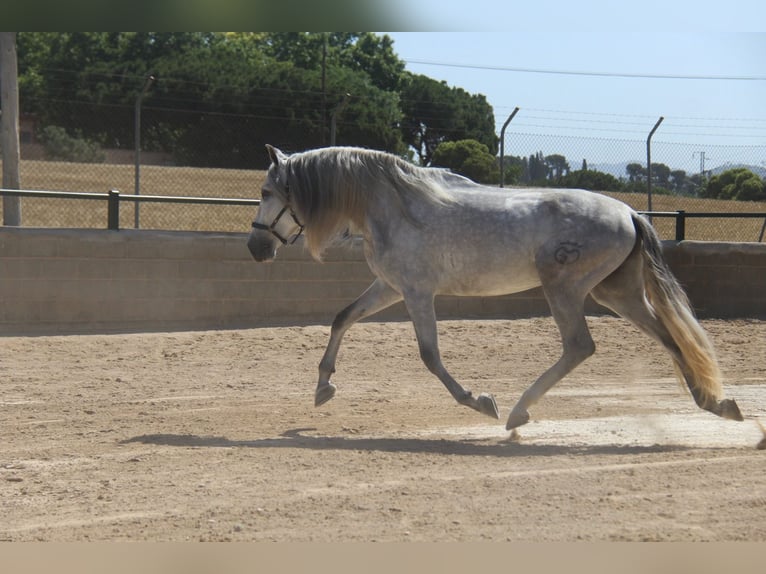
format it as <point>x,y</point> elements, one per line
<point>265,194</point>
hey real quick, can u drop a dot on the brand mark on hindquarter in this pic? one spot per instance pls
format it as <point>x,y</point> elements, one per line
<point>567,252</point>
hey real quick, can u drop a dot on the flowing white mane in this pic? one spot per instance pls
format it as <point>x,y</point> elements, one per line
<point>331,187</point>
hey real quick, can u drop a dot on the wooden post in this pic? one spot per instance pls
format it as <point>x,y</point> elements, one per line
<point>9,126</point>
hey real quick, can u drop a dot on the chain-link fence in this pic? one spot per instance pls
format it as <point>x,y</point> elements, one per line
<point>154,180</point>
<point>603,152</point>
<point>609,153</point>
<point>63,160</point>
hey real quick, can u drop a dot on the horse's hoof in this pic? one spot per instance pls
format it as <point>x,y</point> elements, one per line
<point>728,409</point>
<point>762,444</point>
<point>516,419</point>
<point>487,405</point>
<point>323,394</point>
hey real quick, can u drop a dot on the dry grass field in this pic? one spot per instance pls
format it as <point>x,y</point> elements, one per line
<point>702,229</point>
<point>230,183</point>
<point>155,180</point>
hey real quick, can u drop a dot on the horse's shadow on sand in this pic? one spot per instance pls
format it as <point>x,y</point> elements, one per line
<point>295,439</point>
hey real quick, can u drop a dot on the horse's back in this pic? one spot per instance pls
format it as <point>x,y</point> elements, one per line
<point>543,213</point>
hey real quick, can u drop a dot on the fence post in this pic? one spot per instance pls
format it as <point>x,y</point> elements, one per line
<point>113,210</point>
<point>680,225</point>
<point>649,166</point>
<point>9,127</point>
<point>502,145</point>
<point>137,141</point>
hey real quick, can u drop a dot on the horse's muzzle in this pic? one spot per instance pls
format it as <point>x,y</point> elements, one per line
<point>262,250</point>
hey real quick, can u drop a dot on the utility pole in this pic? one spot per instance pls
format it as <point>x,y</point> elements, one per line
<point>702,162</point>
<point>334,117</point>
<point>324,87</point>
<point>9,126</point>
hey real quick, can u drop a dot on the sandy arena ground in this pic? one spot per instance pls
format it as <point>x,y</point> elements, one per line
<point>214,436</point>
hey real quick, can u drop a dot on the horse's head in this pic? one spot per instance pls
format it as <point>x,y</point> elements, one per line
<point>276,222</point>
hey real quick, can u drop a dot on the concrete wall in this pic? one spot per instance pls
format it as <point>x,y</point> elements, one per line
<point>724,280</point>
<point>70,281</point>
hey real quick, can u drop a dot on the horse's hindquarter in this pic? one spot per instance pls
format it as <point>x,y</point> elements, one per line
<point>492,242</point>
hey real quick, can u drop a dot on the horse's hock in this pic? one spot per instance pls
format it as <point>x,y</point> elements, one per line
<point>62,281</point>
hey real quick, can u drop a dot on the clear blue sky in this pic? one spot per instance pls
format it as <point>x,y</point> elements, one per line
<point>682,56</point>
<point>603,69</point>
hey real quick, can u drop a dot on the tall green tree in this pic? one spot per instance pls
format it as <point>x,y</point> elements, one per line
<point>537,168</point>
<point>89,81</point>
<point>558,166</point>
<point>361,52</point>
<point>363,65</point>
<point>661,174</point>
<point>434,112</point>
<point>636,172</point>
<point>469,158</point>
<point>375,56</point>
<point>737,183</point>
<point>218,97</point>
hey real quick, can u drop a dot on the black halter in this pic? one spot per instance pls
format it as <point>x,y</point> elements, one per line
<point>272,227</point>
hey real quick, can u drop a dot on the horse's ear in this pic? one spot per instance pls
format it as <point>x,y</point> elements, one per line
<point>275,155</point>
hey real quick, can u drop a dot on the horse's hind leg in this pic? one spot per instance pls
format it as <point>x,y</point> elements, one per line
<point>578,345</point>
<point>623,293</point>
<point>631,306</point>
<point>376,297</point>
<point>421,310</point>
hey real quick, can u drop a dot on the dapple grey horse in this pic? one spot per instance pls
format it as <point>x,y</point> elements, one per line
<point>429,232</point>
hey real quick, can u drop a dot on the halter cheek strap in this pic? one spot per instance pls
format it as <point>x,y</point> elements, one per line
<point>271,228</point>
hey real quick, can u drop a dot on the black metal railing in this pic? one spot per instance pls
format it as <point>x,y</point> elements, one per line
<point>114,199</point>
<point>681,216</point>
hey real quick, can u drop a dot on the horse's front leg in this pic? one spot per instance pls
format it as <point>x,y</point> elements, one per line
<point>421,310</point>
<point>377,297</point>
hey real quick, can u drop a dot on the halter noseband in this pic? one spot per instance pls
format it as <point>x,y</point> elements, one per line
<point>272,227</point>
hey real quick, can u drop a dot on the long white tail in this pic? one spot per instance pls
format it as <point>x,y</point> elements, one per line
<point>700,370</point>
